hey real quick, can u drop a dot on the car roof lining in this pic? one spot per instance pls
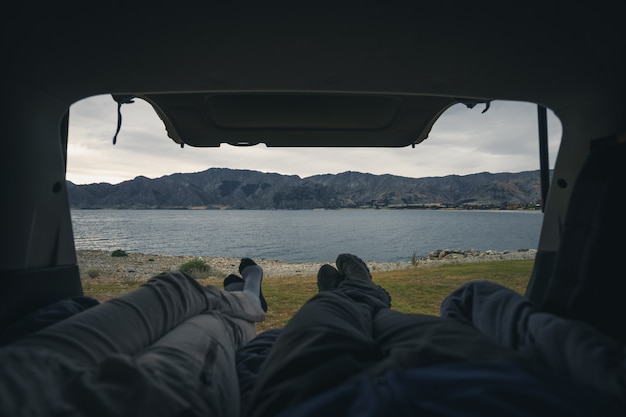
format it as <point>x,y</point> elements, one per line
<point>303,119</point>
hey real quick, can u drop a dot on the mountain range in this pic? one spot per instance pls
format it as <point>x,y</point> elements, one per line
<point>223,188</point>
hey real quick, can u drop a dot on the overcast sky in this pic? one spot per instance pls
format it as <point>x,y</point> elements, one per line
<point>463,141</point>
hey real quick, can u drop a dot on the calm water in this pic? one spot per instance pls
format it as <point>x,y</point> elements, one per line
<point>304,235</point>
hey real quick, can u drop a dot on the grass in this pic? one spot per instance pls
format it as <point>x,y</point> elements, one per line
<point>197,268</point>
<point>415,290</point>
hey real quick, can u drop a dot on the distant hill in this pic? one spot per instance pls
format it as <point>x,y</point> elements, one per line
<point>221,188</point>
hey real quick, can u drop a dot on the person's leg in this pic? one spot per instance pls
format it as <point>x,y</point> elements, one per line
<point>326,342</point>
<point>571,347</point>
<point>249,360</point>
<point>252,276</point>
<point>129,323</point>
<point>167,347</point>
<point>250,283</point>
<point>410,340</point>
<point>497,311</point>
<point>196,361</point>
<point>133,321</point>
<point>414,340</point>
<point>189,371</point>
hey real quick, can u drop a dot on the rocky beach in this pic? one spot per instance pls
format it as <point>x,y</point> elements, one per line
<point>140,267</point>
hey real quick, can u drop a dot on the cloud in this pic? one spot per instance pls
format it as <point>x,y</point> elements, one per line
<point>463,141</point>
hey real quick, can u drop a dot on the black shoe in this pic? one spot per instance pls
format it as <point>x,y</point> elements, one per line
<point>352,267</point>
<point>246,262</point>
<point>233,283</point>
<point>328,278</point>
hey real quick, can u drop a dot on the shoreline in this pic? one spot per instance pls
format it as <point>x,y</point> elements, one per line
<point>141,267</point>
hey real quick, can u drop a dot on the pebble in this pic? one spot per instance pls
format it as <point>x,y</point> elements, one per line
<point>139,266</point>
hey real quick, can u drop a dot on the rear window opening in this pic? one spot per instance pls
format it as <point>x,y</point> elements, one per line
<point>394,231</point>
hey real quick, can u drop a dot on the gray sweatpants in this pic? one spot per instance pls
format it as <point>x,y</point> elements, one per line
<point>166,348</point>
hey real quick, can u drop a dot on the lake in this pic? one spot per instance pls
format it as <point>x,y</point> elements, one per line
<point>305,235</point>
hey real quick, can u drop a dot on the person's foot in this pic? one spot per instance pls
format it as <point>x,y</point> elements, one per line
<point>245,262</point>
<point>252,275</point>
<point>328,278</point>
<point>352,267</point>
<point>233,283</point>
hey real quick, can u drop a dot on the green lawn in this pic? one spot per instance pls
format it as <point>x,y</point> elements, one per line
<point>417,290</point>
